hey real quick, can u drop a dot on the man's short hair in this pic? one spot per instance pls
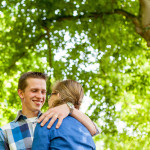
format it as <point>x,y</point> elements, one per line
<point>22,84</point>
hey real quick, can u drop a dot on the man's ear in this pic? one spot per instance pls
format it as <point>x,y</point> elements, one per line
<point>21,93</point>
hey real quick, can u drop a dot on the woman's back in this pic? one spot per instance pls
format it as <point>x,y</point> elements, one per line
<point>71,135</point>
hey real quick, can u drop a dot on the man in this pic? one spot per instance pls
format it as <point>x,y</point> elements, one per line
<point>18,134</point>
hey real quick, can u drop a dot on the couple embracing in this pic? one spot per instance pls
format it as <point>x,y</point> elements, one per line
<point>62,127</point>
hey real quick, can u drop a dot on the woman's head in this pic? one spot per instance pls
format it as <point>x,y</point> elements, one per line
<point>66,91</point>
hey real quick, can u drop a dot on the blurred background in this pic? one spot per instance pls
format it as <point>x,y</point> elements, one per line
<point>102,44</point>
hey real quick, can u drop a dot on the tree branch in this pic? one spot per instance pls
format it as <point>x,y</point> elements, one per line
<point>95,15</point>
<point>91,15</point>
<point>126,14</point>
<point>140,29</point>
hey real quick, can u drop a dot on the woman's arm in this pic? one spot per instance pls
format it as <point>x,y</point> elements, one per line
<point>62,112</point>
<point>85,120</point>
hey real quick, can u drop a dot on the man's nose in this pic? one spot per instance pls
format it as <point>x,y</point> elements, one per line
<point>39,95</point>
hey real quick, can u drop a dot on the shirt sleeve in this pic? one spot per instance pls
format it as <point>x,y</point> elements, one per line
<point>97,130</point>
<point>41,139</point>
<point>3,143</point>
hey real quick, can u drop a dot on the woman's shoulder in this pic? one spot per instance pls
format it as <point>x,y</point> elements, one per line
<point>72,121</point>
<point>71,124</point>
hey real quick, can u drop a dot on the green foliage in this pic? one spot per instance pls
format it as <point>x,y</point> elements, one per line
<point>86,41</point>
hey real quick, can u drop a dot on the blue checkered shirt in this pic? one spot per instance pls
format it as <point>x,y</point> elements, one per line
<point>18,134</point>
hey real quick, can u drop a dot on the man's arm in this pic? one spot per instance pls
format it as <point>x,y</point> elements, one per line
<point>3,144</point>
<point>62,112</point>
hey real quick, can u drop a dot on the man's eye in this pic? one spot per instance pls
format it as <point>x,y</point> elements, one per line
<point>34,90</point>
<point>44,92</point>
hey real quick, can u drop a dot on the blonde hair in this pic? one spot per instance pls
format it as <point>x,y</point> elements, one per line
<point>69,91</point>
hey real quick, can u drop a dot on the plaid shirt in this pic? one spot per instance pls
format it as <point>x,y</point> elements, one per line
<point>18,134</point>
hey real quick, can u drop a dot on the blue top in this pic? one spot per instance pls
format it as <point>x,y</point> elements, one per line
<point>71,135</point>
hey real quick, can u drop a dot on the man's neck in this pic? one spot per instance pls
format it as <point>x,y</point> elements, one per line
<point>30,114</point>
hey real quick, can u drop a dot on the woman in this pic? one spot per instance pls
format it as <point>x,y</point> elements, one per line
<point>71,135</point>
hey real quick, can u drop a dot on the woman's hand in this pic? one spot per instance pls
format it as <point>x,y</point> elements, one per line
<point>60,112</point>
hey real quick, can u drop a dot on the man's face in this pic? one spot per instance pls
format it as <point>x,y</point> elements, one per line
<point>33,97</point>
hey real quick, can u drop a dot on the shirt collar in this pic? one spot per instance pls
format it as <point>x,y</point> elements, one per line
<point>21,116</point>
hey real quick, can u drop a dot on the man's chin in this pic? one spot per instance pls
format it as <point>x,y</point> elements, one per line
<point>38,109</point>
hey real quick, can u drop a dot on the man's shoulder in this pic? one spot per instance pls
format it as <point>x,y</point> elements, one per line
<point>8,125</point>
<point>19,121</point>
